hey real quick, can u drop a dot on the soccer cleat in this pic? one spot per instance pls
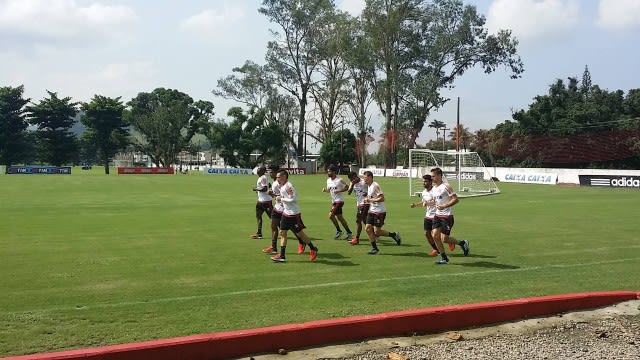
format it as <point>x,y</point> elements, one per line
<point>301,248</point>
<point>278,258</point>
<point>338,235</point>
<point>452,246</point>
<point>373,251</point>
<point>433,253</point>
<point>354,241</point>
<point>313,254</point>
<point>465,247</point>
<point>442,262</point>
<point>397,238</point>
<point>348,236</point>
<point>270,250</point>
<point>256,236</point>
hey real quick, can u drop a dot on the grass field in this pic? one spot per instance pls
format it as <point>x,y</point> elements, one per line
<point>88,259</point>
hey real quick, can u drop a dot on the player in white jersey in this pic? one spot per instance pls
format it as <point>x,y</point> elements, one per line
<point>445,198</point>
<point>336,187</point>
<point>276,215</point>
<point>428,202</point>
<point>359,187</point>
<point>264,203</point>
<point>291,218</point>
<point>377,214</point>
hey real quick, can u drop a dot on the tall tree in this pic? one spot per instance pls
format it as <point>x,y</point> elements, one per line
<point>360,64</point>
<point>330,90</point>
<point>165,121</point>
<point>340,148</point>
<point>106,128</point>
<point>390,26</point>
<point>293,55</point>
<point>54,118</point>
<point>13,125</point>
<point>247,134</point>
<point>453,39</point>
<point>250,84</point>
<point>253,85</point>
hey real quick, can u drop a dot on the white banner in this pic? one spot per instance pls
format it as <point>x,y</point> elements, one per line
<point>530,178</point>
<point>226,171</point>
<point>401,172</point>
<point>374,171</point>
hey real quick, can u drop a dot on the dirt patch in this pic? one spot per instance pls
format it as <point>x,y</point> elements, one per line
<point>613,328</point>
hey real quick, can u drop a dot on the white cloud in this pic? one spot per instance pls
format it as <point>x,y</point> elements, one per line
<point>210,21</point>
<point>618,14</point>
<point>62,19</point>
<point>354,7</point>
<point>534,19</point>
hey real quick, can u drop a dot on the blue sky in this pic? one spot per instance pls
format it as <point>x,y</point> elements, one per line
<point>79,48</point>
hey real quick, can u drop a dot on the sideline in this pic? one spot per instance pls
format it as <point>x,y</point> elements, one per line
<point>311,286</point>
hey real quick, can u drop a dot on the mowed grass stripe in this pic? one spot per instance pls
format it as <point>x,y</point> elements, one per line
<point>333,284</point>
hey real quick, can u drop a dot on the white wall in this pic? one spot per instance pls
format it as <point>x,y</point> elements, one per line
<point>566,176</point>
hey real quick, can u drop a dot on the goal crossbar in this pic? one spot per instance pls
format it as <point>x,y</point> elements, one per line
<point>464,170</point>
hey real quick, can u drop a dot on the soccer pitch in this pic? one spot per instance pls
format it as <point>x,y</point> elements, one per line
<point>90,259</point>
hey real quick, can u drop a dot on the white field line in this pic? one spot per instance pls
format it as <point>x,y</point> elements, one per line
<point>315,286</point>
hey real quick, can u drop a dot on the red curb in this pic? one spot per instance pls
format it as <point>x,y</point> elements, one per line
<point>323,332</point>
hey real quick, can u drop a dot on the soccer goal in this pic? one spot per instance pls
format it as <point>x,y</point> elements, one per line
<point>464,170</point>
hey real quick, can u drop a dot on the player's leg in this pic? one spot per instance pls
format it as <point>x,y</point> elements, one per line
<point>298,229</point>
<point>437,238</point>
<point>259,211</point>
<point>428,228</point>
<point>334,221</point>
<point>379,231</point>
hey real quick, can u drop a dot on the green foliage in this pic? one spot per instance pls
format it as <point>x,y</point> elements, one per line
<point>54,117</point>
<point>421,48</point>
<point>294,54</point>
<point>166,121</point>
<point>574,125</point>
<point>106,128</point>
<point>340,148</point>
<point>247,134</point>
<point>13,125</point>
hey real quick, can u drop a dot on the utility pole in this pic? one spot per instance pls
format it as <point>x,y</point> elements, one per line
<point>444,135</point>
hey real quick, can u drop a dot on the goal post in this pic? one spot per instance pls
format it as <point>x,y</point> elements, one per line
<point>464,170</point>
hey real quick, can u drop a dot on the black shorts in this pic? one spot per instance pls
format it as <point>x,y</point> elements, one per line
<point>362,211</point>
<point>336,208</point>
<point>262,207</point>
<point>444,223</point>
<point>276,216</point>
<point>293,223</point>
<point>428,224</point>
<point>376,219</point>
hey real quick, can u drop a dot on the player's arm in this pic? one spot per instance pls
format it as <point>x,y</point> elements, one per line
<point>350,189</point>
<point>378,198</point>
<point>454,198</point>
<point>342,187</point>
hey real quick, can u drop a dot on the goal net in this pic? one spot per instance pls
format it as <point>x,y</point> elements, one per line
<point>464,170</point>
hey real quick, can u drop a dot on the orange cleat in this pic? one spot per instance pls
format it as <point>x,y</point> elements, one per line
<point>301,248</point>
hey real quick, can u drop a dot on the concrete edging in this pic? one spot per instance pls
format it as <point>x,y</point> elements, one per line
<point>324,332</point>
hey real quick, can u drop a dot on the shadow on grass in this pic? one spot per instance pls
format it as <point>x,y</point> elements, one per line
<point>472,255</point>
<point>487,265</point>
<point>327,259</point>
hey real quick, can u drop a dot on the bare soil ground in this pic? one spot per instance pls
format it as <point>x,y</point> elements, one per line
<point>607,333</point>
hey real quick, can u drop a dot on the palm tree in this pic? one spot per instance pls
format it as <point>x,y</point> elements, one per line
<point>437,124</point>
